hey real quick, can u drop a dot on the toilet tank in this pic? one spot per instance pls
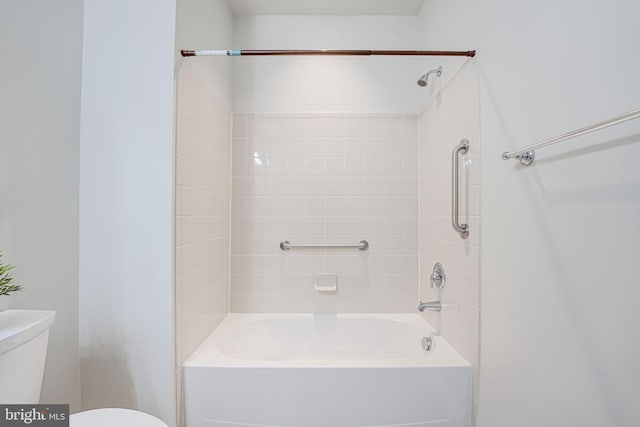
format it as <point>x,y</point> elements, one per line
<point>23,349</point>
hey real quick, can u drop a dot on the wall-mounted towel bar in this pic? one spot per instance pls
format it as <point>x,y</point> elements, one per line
<point>363,245</point>
<point>527,154</point>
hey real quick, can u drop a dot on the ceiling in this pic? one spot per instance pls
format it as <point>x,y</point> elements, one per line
<point>325,7</point>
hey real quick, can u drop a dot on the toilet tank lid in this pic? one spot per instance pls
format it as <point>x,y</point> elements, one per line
<point>110,417</point>
<point>19,326</point>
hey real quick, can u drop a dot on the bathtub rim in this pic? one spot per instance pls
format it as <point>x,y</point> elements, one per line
<point>207,355</point>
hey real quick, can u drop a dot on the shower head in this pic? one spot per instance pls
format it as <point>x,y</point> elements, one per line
<point>422,81</point>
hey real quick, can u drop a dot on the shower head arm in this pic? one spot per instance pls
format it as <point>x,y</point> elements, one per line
<point>422,81</point>
<point>437,70</point>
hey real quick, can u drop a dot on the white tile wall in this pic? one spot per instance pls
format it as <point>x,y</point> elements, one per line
<point>324,178</point>
<point>451,117</point>
<point>202,212</point>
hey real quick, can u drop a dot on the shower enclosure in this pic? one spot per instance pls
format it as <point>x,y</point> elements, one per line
<point>326,150</point>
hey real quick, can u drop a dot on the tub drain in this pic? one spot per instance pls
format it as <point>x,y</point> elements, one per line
<point>427,343</point>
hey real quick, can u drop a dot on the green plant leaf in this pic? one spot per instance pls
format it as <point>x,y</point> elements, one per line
<point>6,281</point>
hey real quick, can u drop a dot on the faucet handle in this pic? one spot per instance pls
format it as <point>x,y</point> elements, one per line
<point>438,276</point>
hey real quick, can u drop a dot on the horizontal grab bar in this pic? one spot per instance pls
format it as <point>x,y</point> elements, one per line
<point>363,245</point>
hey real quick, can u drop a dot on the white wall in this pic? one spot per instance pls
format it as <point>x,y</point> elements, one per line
<point>558,269</point>
<point>126,206</point>
<point>338,84</point>
<point>41,46</point>
<point>451,117</point>
<point>203,164</point>
<point>324,178</point>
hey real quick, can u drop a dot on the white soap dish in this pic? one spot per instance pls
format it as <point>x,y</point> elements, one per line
<point>326,282</point>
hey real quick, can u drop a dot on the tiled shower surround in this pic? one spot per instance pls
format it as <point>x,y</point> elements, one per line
<point>202,212</point>
<point>324,178</point>
<point>453,116</point>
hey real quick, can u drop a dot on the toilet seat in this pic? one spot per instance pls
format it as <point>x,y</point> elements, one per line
<point>110,417</point>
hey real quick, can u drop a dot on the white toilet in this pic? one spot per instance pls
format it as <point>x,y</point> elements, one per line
<point>24,335</point>
<point>23,349</point>
<point>109,417</point>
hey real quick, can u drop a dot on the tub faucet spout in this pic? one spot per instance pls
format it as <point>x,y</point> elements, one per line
<point>430,306</point>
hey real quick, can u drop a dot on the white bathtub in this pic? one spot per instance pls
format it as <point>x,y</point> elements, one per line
<point>298,370</point>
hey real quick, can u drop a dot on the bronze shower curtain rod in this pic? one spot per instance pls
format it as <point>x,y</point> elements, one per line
<point>323,52</point>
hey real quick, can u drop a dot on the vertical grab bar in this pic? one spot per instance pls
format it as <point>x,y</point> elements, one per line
<point>463,229</point>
